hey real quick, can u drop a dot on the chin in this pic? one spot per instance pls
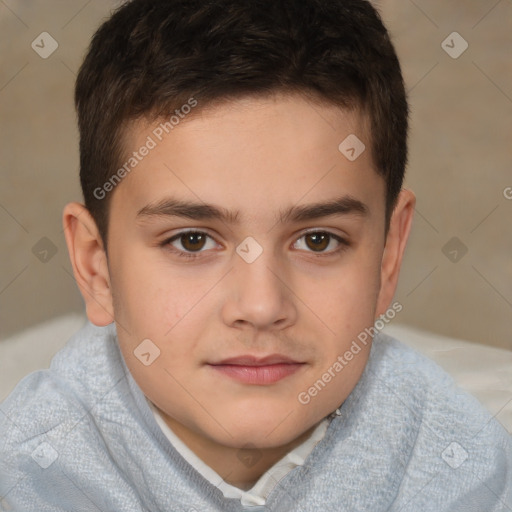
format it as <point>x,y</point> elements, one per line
<point>260,430</point>
<point>259,440</point>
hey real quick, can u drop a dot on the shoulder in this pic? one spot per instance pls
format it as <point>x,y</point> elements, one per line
<point>458,442</point>
<point>77,377</point>
<point>424,387</point>
<point>46,406</point>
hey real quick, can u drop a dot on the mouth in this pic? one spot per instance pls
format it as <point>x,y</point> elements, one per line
<point>257,371</point>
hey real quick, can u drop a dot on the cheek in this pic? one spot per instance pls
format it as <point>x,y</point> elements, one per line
<point>150,296</point>
<point>346,299</point>
<point>167,310</point>
<point>166,317</point>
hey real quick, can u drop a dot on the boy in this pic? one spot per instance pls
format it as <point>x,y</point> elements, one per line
<point>243,229</point>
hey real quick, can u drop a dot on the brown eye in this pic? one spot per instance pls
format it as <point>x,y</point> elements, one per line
<point>317,241</point>
<point>189,244</point>
<point>193,241</point>
<point>323,243</point>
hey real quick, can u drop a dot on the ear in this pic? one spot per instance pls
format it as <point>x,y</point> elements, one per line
<point>396,240</point>
<point>89,262</point>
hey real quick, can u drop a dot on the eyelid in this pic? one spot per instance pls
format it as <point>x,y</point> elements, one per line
<point>323,230</point>
<point>167,242</point>
<point>342,241</point>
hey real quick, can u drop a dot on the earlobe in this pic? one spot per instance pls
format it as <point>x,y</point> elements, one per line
<point>396,241</point>
<point>89,263</point>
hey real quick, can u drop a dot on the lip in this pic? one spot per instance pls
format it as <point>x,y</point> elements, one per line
<point>257,371</point>
<point>250,360</point>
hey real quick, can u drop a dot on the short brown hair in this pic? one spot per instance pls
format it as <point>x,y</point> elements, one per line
<point>151,56</point>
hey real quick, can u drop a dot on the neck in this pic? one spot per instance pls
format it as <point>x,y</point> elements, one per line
<point>238,467</point>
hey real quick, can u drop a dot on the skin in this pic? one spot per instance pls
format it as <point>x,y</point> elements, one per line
<point>257,156</point>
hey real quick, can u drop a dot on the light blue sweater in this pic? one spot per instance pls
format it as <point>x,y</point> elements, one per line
<point>81,437</point>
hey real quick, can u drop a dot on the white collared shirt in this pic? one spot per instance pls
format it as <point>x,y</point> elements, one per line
<point>258,493</point>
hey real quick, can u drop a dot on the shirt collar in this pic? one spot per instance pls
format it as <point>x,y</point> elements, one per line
<point>259,492</point>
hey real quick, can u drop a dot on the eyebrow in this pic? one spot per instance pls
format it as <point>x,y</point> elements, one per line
<point>171,207</point>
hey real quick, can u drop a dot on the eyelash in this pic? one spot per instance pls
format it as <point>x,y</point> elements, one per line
<point>344,244</point>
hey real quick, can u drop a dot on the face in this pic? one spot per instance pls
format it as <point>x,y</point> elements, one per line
<point>221,254</point>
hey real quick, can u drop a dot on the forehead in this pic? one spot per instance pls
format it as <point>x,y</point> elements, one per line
<point>253,154</point>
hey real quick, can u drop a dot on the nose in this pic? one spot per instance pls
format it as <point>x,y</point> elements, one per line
<point>259,296</point>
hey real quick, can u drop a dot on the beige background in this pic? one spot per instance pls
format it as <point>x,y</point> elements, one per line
<point>460,162</point>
